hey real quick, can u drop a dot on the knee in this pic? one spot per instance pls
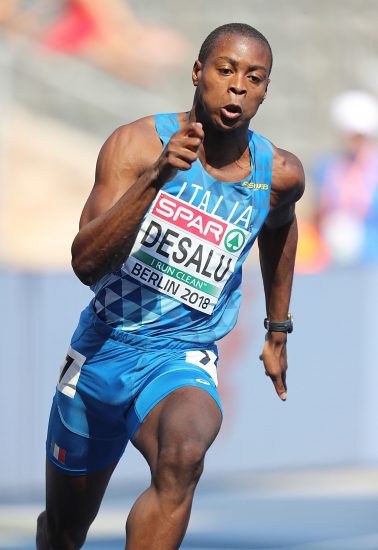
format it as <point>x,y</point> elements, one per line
<point>52,537</point>
<point>64,540</point>
<point>181,464</point>
<point>41,537</point>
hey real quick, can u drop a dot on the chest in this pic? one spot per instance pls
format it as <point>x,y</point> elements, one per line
<point>240,204</point>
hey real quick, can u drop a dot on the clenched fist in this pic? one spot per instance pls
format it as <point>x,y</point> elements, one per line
<point>180,152</point>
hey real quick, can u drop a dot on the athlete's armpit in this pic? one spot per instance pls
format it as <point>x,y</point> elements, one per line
<point>280,216</point>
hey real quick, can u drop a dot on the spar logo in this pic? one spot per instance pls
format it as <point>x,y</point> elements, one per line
<point>189,218</point>
<point>234,240</point>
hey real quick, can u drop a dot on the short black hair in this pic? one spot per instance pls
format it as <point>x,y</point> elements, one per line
<point>232,28</point>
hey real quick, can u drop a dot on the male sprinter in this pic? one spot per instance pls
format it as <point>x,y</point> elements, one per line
<point>178,201</point>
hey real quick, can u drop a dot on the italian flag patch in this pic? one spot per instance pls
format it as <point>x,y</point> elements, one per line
<point>58,452</point>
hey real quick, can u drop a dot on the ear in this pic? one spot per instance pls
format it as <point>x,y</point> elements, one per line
<point>196,72</point>
<point>266,90</point>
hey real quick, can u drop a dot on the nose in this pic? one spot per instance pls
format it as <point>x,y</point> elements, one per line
<point>237,85</point>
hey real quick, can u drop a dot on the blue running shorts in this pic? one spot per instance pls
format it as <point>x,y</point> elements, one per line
<point>109,382</point>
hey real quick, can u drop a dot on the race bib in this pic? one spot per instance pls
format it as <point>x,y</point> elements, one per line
<point>185,253</point>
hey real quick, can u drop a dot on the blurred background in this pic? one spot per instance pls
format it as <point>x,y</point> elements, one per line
<point>303,474</point>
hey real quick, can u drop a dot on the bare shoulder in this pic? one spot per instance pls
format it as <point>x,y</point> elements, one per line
<point>288,183</point>
<point>129,149</point>
<point>125,155</point>
<point>288,178</point>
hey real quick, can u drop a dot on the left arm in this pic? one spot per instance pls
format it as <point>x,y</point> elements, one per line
<point>277,245</point>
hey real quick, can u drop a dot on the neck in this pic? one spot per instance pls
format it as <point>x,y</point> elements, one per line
<point>221,148</point>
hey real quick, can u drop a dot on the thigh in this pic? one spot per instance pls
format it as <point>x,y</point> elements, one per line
<point>168,371</point>
<point>87,427</point>
<point>76,443</point>
<point>189,416</point>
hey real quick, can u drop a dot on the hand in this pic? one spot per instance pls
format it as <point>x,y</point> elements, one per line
<point>180,152</point>
<point>274,358</point>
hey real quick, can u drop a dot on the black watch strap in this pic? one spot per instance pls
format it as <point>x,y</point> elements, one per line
<point>280,326</point>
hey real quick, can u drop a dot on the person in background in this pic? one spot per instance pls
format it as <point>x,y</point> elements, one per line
<point>347,182</point>
<point>106,33</point>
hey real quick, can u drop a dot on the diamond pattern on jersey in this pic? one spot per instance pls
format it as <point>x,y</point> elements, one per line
<point>122,299</point>
<point>110,298</point>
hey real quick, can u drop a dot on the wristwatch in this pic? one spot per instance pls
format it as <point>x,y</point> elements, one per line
<point>280,326</point>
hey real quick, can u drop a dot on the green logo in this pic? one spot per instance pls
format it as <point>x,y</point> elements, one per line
<point>234,240</point>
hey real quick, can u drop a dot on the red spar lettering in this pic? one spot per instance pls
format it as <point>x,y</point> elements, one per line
<point>189,218</point>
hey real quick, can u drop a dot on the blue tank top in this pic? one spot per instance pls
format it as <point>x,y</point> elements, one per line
<point>183,277</point>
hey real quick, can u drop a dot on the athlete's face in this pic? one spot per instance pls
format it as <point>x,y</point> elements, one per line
<point>233,81</point>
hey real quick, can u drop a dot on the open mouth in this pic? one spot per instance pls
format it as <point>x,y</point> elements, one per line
<point>231,111</point>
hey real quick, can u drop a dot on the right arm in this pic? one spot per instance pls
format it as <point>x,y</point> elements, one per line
<point>131,169</point>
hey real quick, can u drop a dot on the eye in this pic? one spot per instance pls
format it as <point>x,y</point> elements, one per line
<point>255,79</point>
<point>225,70</point>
